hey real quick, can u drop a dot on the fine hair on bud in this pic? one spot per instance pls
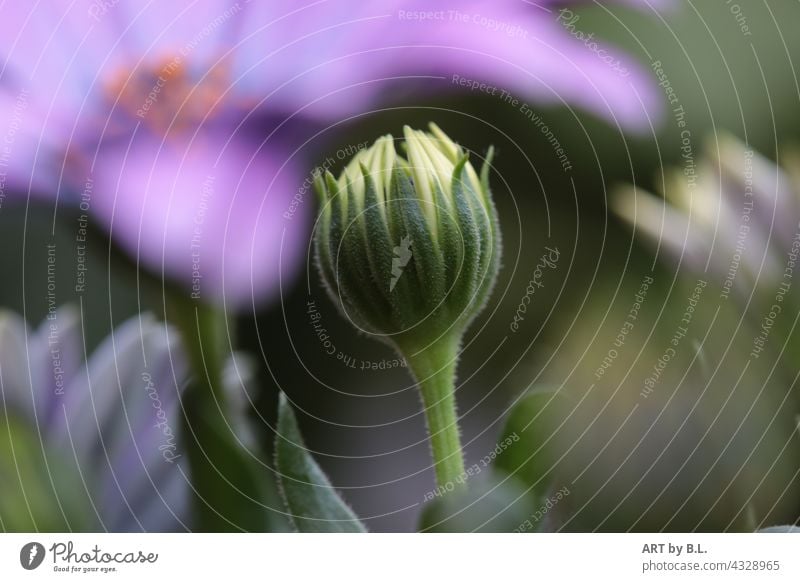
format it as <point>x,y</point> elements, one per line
<point>408,244</point>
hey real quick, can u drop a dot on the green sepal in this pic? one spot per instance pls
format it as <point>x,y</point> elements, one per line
<point>323,228</point>
<point>472,239</point>
<point>426,266</point>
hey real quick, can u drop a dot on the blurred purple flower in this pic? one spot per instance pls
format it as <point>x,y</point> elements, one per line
<point>114,420</point>
<point>180,126</point>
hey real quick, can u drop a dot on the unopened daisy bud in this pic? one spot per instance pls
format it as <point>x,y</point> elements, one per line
<point>409,248</point>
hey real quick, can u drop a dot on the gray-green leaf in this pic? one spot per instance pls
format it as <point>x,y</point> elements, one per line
<point>313,503</point>
<point>529,460</point>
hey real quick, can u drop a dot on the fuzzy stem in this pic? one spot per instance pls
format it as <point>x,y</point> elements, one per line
<point>434,369</point>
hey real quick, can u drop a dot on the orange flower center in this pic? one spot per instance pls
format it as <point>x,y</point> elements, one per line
<point>168,97</point>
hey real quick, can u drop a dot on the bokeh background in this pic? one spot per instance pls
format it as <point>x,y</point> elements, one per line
<point>714,447</point>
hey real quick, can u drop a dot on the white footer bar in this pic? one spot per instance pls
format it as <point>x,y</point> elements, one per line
<point>389,557</point>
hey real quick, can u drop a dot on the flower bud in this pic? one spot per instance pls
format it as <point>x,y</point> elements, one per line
<point>409,247</point>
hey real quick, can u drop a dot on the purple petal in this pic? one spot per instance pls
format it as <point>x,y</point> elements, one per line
<point>15,380</point>
<point>31,146</point>
<point>57,51</point>
<point>644,5</point>
<point>70,48</point>
<point>36,366</point>
<point>57,355</point>
<point>110,427</point>
<point>150,490</point>
<point>93,395</point>
<point>342,58</point>
<point>206,211</point>
<point>201,29</point>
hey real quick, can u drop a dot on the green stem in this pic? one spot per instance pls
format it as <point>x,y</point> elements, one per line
<point>434,369</point>
<point>223,478</point>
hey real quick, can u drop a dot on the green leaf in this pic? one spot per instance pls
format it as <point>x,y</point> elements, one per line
<point>531,423</point>
<point>313,504</point>
<point>492,503</point>
<point>40,493</point>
